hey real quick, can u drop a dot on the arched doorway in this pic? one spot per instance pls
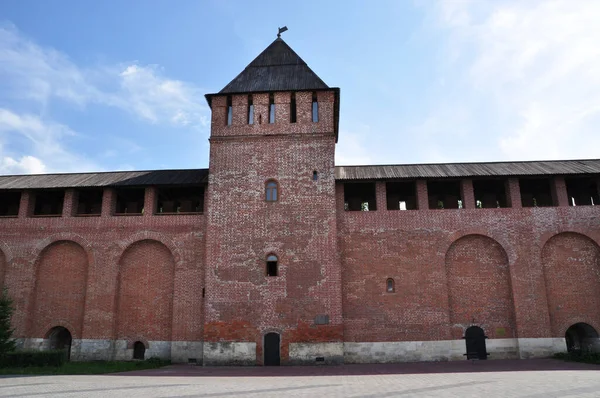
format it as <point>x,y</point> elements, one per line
<point>475,341</point>
<point>59,338</point>
<point>139,350</point>
<point>582,337</point>
<point>271,348</point>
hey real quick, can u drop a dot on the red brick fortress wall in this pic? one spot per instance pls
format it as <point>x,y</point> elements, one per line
<point>516,272</point>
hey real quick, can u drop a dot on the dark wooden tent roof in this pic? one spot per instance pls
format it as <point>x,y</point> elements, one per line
<point>107,179</point>
<point>277,68</point>
<point>459,170</point>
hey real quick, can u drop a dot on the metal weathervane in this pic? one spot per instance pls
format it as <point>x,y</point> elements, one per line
<point>280,31</point>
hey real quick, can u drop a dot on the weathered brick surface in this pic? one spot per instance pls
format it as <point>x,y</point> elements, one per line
<point>516,272</point>
<point>457,267</point>
<point>242,302</point>
<point>66,271</point>
<point>571,264</point>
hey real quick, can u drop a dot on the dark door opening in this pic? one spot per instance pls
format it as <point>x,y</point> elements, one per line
<point>271,347</point>
<point>475,341</point>
<point>60,339</point>
<point>139,350</point>
<point>581,338</point>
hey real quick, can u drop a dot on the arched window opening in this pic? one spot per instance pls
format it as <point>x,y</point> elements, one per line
<point>271,194</point>
<point>139,350</point>
<point>390,285</point>
<point>272,265</point>
<point>315,175</point>
<point>229,111</point>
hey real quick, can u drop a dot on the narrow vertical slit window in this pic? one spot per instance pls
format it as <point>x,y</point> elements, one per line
<point>293,108</point>
<point>271,109</point>
<point>315,175</point>
<point>229,111</point>
<point>272,265</point>
<point>250,110</point>
<point>315,108</point>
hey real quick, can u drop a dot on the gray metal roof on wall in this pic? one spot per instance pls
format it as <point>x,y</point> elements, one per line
<point>342,173</point>
<point>107,179</point>
<point>458,170</point>
<point>277,68</point>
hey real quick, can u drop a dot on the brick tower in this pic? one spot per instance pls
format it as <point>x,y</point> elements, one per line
<point>273,278</point>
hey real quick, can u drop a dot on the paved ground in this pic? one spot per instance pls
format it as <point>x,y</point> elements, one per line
<point>531,379</point>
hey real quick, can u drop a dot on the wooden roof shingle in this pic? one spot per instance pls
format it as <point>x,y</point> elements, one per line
<point>277,68</point>
<point>460,170</point>
<point>105,179</point>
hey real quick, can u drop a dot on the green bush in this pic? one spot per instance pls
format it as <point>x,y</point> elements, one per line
<point>586,357</point>
<point>23,359</point>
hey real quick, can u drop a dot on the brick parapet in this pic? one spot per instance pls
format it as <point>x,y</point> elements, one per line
<point>422,195</point>
<point>467,194</point>
<point>559,191</point>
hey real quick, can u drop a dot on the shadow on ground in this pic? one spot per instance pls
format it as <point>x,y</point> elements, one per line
<point>367,369</point>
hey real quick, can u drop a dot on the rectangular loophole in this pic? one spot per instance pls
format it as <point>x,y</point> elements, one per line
<point>180,200</point>
<point>9,203</point>
<point>489,194</point>
<point>582,191</point>
<point>444,194</point>
<point>535,192</point>
<point>360,196</point>
<point>130,201</point>
<point>401,195</point>
<point>49,203</point>
<point>89,202</point>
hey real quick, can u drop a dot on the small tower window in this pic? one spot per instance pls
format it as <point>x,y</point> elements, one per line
<point>315,108</point>
<point>271,109</point>
<point>389,285</point>
<point>315,175</point>
<point>272,265</point>
<point>250,110</point>
<point>229,111</point>
<point>271,194</point>
<point>293,108</point>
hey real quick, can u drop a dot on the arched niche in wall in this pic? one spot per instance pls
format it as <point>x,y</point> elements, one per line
<point>479,286</point>
<point>145,293</point>
<point>571,265</point>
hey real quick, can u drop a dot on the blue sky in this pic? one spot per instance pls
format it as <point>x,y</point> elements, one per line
<point>119,85</point>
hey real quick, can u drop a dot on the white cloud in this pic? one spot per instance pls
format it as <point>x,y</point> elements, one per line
<point>32,77</point>
<point>159,99</point>
<point>25,165</point>
<point>351,149</point>
<point>533,67</point>
<point>30,71</point>
<point>40,146</point>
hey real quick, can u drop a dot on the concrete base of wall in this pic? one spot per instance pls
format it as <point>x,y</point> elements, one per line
<point>100,349</point>
<point>316,353</point>
<point>541,347</point>
<point>449,350</point>
<point>238,353</point>
<point>229,353</point>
